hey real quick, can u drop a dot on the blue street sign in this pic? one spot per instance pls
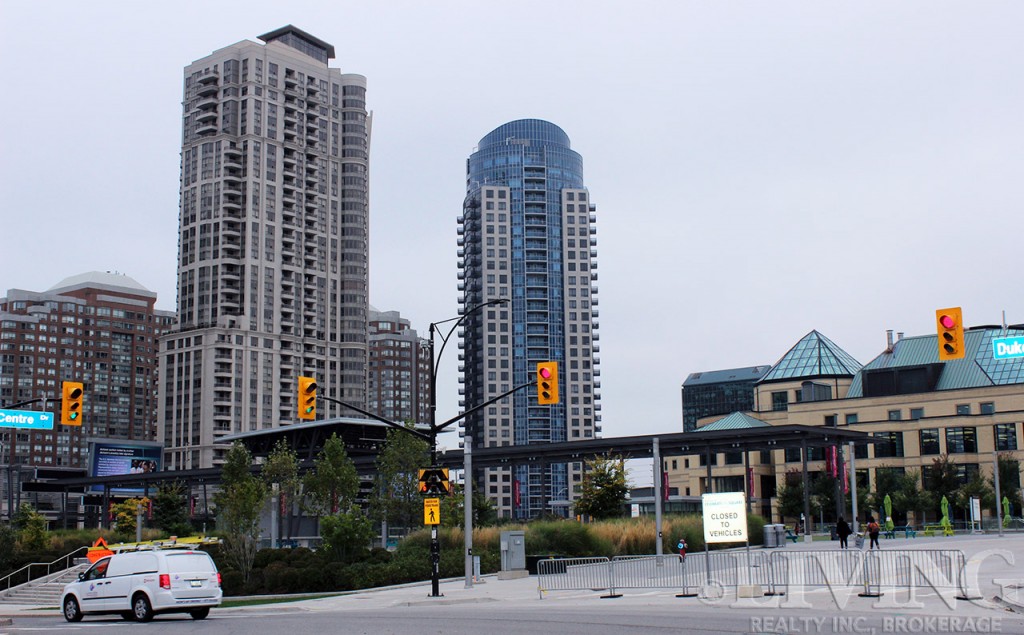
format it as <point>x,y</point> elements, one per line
<point>26,419</point>
<point>1008,347</point>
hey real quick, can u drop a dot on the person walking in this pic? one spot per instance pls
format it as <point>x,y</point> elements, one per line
<point>873,530</point>
<point>843,531</point>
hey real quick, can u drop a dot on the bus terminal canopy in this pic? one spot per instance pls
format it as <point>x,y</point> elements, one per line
<point>363,439</point>
<point>672,444</point>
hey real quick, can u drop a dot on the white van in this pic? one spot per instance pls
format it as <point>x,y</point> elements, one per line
<point>139,584</point>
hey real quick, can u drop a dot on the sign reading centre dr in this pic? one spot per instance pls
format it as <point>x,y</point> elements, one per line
<point>26,419</point>
<point>725,517</point>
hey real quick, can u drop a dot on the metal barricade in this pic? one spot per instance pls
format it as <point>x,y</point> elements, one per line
<point>648,572</point>
<point>695,571</point>
<point>873,570</point>
<point>573,574</point>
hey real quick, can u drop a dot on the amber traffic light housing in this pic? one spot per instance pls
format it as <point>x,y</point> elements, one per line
<point>307,398</point>
<point>949,325</point>
<point>547,383</point>
<point>71,403</point>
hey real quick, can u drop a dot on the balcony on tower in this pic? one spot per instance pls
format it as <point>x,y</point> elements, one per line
<point>207,116</point>
<point>207,128</point>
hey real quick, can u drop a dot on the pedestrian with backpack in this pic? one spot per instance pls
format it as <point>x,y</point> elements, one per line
<point>873,530</point>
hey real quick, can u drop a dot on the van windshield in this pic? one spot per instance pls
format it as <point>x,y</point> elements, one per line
<point>189,562</point>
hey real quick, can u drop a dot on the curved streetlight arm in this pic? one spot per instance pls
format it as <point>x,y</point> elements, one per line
<point>436,363</point>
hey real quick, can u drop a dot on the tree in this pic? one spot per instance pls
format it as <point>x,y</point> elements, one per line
<point>1009,483</point>
<point>604,488</point>
<point>453,508</point>
<point>823,495</point>
<point>171,509</point>
<point>281,474</point>
<point>333,483</point>
<point>346,535</point>
<point>943,480</point>
<point>790,497</point>
<point>30,526</point>
<point>910,497</point>
<point>8,542</point>
<point>126,513</point>
<point>239,504</point>
<point>977,487</point>
<point>397,498</point>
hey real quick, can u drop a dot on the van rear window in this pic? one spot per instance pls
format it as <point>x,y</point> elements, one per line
<point>189,562</point>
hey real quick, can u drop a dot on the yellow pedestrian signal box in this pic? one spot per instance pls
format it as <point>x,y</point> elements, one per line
<point>71,403</point>
<point>307,398</point>
<point>950,328</point>
<point>431,511</point>
<point>547,383</point>
<point>434,481</point>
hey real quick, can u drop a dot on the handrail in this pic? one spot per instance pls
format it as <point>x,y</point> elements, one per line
<point>28,568</point>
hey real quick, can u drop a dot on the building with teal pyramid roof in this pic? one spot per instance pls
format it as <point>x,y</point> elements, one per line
<point>922,411</point>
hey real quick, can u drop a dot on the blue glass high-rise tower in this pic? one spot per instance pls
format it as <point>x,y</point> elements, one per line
<point>527,233</point>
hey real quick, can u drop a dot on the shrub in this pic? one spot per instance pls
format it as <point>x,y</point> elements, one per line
<point>565,538</point>
<point>231,582</point>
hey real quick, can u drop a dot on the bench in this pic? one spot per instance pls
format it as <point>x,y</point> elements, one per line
<point>929,530</point>
<point>908,532</point>
<point>791,536</point>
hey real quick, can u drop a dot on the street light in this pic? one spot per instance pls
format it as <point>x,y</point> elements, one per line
<point>431,435</point>
<point>435,362</point>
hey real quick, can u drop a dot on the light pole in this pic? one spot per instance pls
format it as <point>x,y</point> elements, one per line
<point>435,362</point>
<point>431,435</point>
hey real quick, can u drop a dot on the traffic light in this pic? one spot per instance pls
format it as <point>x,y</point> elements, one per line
<point>434,481</point>
<point>950,326</point>
<point>71,403</point>
<point>307,398</point>
<point>547,383</point>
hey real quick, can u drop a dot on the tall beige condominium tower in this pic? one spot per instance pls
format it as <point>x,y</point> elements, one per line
<point>272,244</point>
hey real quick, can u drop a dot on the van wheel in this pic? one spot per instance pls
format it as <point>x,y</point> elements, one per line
<point>141,607</point>
<point>72,612</point>
<point>200,614</point>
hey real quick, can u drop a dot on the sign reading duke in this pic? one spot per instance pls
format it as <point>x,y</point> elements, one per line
<point>725,517</point>
<point>1007,347</point>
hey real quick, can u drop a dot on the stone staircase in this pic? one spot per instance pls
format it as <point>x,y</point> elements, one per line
<point>44,591</point>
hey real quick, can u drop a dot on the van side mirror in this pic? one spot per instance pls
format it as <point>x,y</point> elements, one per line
<point>81,576</point>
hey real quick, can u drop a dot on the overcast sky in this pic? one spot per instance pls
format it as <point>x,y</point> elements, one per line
<point>760,169</point>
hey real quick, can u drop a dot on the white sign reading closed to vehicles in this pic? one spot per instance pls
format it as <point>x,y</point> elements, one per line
<point>725,517</point>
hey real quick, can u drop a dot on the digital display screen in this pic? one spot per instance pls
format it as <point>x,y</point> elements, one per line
<point>117,459</point>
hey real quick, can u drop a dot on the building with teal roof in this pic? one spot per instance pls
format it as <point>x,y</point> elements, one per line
<point>923,412</point>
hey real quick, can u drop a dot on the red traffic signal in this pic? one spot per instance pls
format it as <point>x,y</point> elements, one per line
<point>547,383</point>
<point>949,327</point>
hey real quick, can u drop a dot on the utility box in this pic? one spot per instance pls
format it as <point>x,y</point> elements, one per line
<point>513,555</point>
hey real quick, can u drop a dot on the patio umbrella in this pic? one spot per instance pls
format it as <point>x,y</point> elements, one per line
<point>887,502</point>
<point>1006,512</point>
<point>945,513</point>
